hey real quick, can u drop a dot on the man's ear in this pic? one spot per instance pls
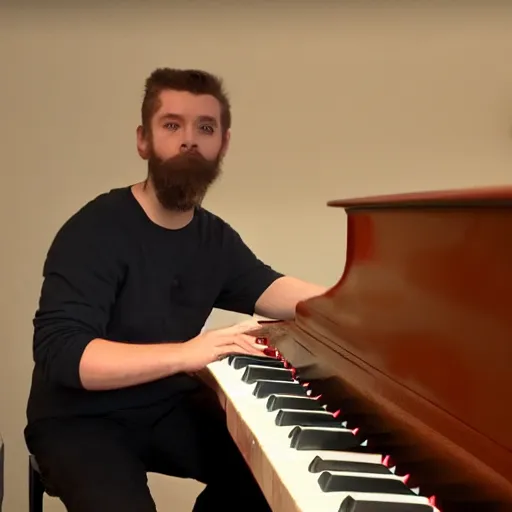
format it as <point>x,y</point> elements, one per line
<point>143,146</point>
<point>225,143</point>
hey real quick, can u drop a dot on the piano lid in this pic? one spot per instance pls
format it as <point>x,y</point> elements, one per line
<point>419,328</point>
<point>482,196</point>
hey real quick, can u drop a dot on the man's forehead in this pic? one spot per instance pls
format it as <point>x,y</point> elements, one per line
<point>186,104</point>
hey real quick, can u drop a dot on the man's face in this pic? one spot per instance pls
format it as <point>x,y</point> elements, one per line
<point>184,148</point>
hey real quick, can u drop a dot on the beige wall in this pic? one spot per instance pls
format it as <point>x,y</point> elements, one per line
<point>328,102</point>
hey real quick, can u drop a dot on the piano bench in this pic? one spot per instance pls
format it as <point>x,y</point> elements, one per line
<point>36,487</point>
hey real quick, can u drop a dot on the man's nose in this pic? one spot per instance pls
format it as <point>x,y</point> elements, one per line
<point>187,146</point>
<point>189,140</point>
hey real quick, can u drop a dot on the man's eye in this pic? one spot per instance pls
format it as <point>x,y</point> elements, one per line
<point>171,126</point>
<point>207,128</point>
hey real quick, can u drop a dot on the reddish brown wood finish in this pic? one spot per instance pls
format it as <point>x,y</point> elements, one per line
<point>457,197</point>
<point>417,335</point>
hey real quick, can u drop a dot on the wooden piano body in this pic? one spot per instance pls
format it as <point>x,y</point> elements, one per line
<point>414,344</point>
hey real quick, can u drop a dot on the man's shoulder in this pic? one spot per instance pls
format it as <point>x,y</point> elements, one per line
<point>99,218</point>
<point>105,203</point>
<point>103,209</point>
<point>214,225</point>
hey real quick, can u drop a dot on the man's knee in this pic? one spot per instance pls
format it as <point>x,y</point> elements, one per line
<point>108,497</point>
<point>97,488</point>
<point>90,468</point>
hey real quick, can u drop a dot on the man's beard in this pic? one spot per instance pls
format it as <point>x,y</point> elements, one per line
<point>182,181</point>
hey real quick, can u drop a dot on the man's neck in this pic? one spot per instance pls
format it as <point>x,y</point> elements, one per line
<point>146,196</point>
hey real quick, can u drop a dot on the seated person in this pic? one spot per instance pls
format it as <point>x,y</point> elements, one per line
<point>129,281</point>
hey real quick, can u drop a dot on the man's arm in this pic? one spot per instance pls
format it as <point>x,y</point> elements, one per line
<point>253,287</point>
<point>280,299</point>
<point>107,365</point>
<point>111,365</point>
<point>246,276</point>
<point>82,274</point>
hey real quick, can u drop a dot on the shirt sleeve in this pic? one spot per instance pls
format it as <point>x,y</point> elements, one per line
<point>81,276</point>
<point>247,277</point>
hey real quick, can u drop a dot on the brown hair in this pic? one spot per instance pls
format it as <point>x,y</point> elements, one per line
<point>191,80</point>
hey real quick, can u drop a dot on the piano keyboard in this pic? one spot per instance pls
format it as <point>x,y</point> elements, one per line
<point>320,462</point>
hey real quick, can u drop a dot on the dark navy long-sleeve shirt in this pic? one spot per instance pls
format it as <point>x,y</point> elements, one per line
<point>112,273</point>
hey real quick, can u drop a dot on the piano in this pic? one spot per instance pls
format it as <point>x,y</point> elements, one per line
<point>389,392</point>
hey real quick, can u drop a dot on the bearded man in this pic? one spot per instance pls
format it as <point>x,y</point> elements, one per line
<point>129,282</point>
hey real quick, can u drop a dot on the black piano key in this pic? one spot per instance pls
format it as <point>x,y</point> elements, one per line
<point>349,504</point>
<point>276,402</point>
<point>265,388</point>
<point>286,418</point>
<point>238,362</point>
<point>328,439</point>
<point>253,373</point>
<point>318,465</point>
<point>332,482</point>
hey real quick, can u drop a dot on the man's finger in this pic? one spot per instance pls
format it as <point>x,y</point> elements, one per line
<point>232,349</point>
<point>274,331</point>
<point>249,344</point>
<point>250,340</point>
<point>247,325</point>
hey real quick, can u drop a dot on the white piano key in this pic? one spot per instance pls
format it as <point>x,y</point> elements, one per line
<point>292,465</point>
<point>389,476</point>
<point>341,428</point>
<point>313,411</point>
<point>263,367</point>
<point>295,381</point>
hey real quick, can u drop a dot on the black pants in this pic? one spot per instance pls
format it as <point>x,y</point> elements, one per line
<point>99,464</point>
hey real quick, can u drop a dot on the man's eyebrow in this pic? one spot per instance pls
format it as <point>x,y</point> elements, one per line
<point>170,115</point>
<point>202,119</point>
<point>208,119</point>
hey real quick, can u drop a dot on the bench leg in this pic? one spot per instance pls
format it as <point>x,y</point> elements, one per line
<point>36,491</point>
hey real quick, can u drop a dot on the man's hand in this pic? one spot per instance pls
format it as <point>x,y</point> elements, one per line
<point>215,344</point>
<point>273,330</point>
